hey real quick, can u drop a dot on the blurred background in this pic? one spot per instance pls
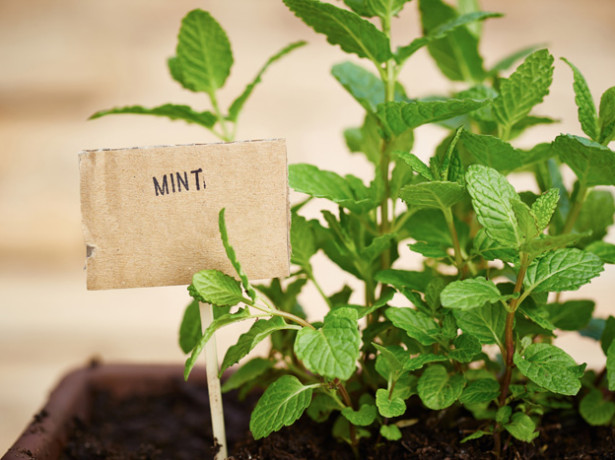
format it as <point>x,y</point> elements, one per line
<point>61,61</point>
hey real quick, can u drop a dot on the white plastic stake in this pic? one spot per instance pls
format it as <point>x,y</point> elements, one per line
<point>213,383</point>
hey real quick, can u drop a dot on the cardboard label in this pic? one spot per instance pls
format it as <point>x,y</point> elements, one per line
<point>150,215</point>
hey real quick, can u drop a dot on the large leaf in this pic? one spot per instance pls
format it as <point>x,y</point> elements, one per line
<point>203,52</point>
<point>171,111</point>
<point>486,323</point>
<point>214,287</point>
<point>401,116</point>
<point>550,367</point>
<point>437,389</point>
<point>281,405</point>
<point>607,116</point>
<point>592,163</point>
<point>417,325</point>
<point>436,194</point>
<point>588,117</point>
<point>332,350</point>
<point>562,270</point>
<point>237,105</point>
<point>470,293</point>
<point>526,87</point>
<point>344,28</point>
<point>489,151</point>
<point>491,198</point>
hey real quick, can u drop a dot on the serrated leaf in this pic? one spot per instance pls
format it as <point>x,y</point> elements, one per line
<point>281,405</point>
<point>417,324</point>
<point>526,221</point>
<point>390,432</point>
<point>537,315</point>
<point>595,410</point>
<point>544,207</point>
<point>259,331</point>
<point>394,407</point>
<point>437,194</point>
<point>491,198</point>
<point>571,315</point>
<point>219,322</point>
<point>593,164</point>
<point>467,347</point>
<point>470,293</point>
<point>486,323</point>
<point>248,372</point>
<point>176,73</point>
<point>389,361</point>
<point>361,7</point>
<point>416,164</point>
<point>437,389</point>
<point>489,151</point>
<point>344,28</point>
<point>302,241</point>
<point>610,366</point>
<point>480,391</point>
<point>607,116</point>
<point>332,350</point>
<point>588,117</point>
<point>550,367</point>
<point>190,328</point>
<point>402,116</point>
<point>171,111</point>
<point>604,250</point>
<point>237,105</point>
<point>596,214</point>
<point>363,417</point>
<point>216,288</point>
<point>562,270</point>
<point>525,88</point>
<point>491,250</point>
<point>522,427</point>
<point>203,52</point>
<point>232,257</point>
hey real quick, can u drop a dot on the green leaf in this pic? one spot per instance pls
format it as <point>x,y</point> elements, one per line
<point>365,139</point>
<point>608,334</point>
<point>604,250</point>
<point>592,163</point>
<point>442,31</point>
<point>607,116</point>
<point>526,221</point>
<point>417,324</point>
<point>216,288</point>
<point>249,372</point>
<point>232,257</point>
<point>176,73</point>
<point>610,366</point>
<point>486,323</point>
<point>367,89</point>
<point>331,351</point>
<point>571,315</point>
<point>467,347</point>
<point>259,331</point>
<point>203,52</point>
<point>437,389</point>
<point>595,410</point>
<point>507,62</point>
<point>321,407</point>
<point>400,279</point>
<point>436,194</point>
<point>526,87</point>
<point>544,207</point>
<point>470,293</point>
<point>491,250</point>
<point>562,270</point>
<point>361,7</point>
<point>237,105</point>
<point>281,405</point>
<point>503,414</point>
<point>489,151</point>
<point>456,55</point>
<point>476,435</point>
<point>416,164</point>
<point>302,241</point>
<point>344,28</point>
<point>522,427</point>
<point>414,364</point>
<point>171,111</point>
<point>394,407</point>
<point>223,320</point>
<point>401,116</point>
<point>596,214</point>
<point>389,361</point>
<point>190,328</point>
<point>550,367</point>
<point>491,198</point>
<point>588,117</point>
<point>390,432</point>
<point>309,179</point>
<point>480,391</point>
<point>363,417</point>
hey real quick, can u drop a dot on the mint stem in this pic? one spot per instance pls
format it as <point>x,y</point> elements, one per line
<point>573,214</point>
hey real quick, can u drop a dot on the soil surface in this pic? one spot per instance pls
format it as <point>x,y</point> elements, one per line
<point>176,426</point>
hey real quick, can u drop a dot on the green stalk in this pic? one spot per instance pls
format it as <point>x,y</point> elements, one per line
<point>226,136</point>
<point>574,212</point>
<point>448,215</point>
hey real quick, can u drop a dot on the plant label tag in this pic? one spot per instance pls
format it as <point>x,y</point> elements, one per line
<point>150,215</point>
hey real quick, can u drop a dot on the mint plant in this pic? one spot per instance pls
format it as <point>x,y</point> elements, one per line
<point>473,328</point>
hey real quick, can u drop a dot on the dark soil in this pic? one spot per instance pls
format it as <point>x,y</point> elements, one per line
<point>176,426</point>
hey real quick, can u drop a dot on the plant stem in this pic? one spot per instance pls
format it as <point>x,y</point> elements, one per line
<point>348,402</point>
<point>448,215</point>
<point>573,214</point>
<point>226,135</point>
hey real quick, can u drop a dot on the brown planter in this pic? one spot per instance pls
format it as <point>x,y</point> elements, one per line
<point>47,434</point>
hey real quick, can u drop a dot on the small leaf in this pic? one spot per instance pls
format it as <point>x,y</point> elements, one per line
<point>571,315</point>
<point>526,87</point>
<point>480,391</point>
<point>417,325</point>
<point>216,288</point>
<point>437,389</point>
<point>436,194</point>
<point>190,328</point>
<point>607,116</point>
<point>171,111</point>
<point>476,435</point>
<point>232,257</point>
<point>503,414</point>
<point>363,417</point>
<point>331,351</point>
<point>467,347</point>
<point>544,207</point>
<point>489,151</point>
<point>595,410</point>
<point>390,432</point>
<point>593,164</point>
<point>281,405</point>
<point>522,427</point>
<point>394,407</point>
<point>203,52</point>
<point>470,293</point>
<point>248,372</point>
<point>367,89</point>
<point>486,323</point>
<point>562,270</point>
<point>588,117</point>
<point>550,367</point>
<point>604,250</point>
<point>344,28</point>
